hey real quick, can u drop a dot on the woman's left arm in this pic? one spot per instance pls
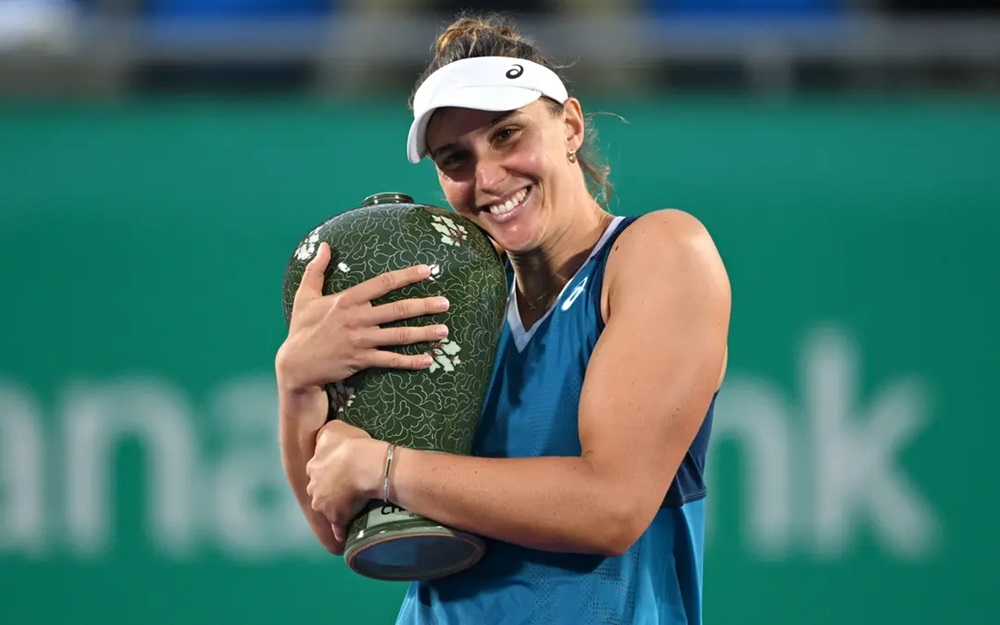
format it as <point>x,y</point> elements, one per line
<point>648,386</point>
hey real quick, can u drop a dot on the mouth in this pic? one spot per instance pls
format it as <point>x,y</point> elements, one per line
<point>507,208</point>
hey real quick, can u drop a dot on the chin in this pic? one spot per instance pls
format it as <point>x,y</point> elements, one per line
<point>517,242</point>
<point>517,228</point>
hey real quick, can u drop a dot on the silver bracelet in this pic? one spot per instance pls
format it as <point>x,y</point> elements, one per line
<point>388,468</point>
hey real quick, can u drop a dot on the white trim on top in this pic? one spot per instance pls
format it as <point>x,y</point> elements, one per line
<point>521,336</point>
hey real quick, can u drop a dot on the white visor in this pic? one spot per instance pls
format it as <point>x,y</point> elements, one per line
<point>486,83</point>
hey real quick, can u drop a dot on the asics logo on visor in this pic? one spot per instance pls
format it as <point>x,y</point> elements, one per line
<point>515,72</point>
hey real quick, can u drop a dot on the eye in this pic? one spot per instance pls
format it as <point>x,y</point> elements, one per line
<point>451,161</point>
<point>505,135</point>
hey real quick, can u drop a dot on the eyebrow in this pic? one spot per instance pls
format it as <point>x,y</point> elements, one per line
<point>490,125</point>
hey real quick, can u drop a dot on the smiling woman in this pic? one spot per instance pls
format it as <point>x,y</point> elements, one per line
<point>506,139</point>
<point>587,471</point>
<point>492,35</point>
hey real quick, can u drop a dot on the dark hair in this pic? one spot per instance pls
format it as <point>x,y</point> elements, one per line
<point>495,35</point>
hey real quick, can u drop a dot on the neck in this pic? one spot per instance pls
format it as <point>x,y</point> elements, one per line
<point>543,272</point>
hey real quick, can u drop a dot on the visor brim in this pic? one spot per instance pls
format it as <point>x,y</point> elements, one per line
<point>480,98</point>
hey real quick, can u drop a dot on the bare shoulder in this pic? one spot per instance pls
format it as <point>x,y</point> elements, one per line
<point>665,278</point>
<point>665,246</point>
<point>667,230</point>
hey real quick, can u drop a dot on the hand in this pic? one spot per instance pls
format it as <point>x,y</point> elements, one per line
<point>344,474</point>
<point>332,337</point>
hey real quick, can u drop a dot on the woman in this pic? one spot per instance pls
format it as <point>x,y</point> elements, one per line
<point>587,470</point>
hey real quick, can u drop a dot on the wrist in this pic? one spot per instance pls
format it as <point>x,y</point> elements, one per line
<point>373,455</point>
<point>284,371</point>
<point>295,392</point>
<point>292,387</point>
<point>289,385</point>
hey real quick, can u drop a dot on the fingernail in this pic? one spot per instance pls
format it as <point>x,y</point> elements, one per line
<point>442,331</point>
<point>442,303</point>
<point>427,361</point>
<point>424,270</point>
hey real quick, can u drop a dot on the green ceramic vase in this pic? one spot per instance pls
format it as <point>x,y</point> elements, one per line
<point>433,409</point>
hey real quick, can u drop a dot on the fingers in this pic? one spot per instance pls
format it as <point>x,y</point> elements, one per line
<point>339,533</point>
<point>311,285</point>
<point>386,283</point>
<point>334,546</point>
<point>406,309</point>
<point>404,335</point>
<point>382,359</point>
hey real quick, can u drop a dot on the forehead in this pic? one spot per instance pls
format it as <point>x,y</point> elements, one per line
<point>450,125</point>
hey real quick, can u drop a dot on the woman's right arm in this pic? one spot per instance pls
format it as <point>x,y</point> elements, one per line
<point>330,338</point>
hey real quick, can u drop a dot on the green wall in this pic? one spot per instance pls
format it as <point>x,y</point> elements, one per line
<point>142,250</point>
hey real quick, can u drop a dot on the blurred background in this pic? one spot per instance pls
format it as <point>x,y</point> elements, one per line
<point>160,160</point>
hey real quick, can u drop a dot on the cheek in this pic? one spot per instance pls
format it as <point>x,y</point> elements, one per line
<point>526,162</point>
<point>536,157</point>
<point>461,195</point>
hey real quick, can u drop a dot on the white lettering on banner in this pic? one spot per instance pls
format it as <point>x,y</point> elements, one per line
<point>22,473</point>
<point>99,418</point>
<point>814,470</point>
<point>815,478</point>
<point>855,451</point>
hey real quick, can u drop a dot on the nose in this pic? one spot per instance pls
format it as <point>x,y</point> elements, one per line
<point>490,175</point>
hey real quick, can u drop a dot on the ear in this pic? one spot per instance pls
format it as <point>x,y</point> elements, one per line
<point>575,124</point>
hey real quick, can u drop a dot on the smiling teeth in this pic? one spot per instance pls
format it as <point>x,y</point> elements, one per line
<point>509,205</point>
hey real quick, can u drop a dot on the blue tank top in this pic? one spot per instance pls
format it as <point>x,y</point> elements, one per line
<point>531,410</point>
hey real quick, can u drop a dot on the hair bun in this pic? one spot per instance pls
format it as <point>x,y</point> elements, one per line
<point>470,28</point>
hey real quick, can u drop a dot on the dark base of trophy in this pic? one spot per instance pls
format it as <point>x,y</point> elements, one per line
<point>388,543</point>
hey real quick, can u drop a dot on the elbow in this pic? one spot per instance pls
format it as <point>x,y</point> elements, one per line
<point>620,530</point>
<point>617,543</point>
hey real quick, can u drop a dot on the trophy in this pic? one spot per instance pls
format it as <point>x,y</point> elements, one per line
<point>431,409</point>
